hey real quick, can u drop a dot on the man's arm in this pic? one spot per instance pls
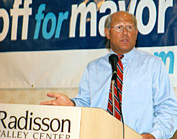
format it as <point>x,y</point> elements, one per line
<point>165,104</point>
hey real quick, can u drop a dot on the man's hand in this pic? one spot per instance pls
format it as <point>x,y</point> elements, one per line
<point>147,136</point>
<point>60,100</point>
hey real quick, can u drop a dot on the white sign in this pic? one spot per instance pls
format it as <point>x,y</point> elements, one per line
<point>39,122</point>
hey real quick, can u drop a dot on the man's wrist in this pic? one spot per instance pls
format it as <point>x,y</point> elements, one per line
<point>157,134</point>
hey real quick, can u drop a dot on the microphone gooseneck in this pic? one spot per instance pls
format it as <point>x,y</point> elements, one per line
<point>113,60</point>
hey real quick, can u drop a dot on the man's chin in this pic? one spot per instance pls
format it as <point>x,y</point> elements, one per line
<point>125,50</point>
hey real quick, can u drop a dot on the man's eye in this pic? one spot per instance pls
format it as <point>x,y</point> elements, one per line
<point>118,27</point>
<point>129,27</point>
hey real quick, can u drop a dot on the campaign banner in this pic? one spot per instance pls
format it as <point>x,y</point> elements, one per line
<point>47,44</point>
<point>39,122</point>
<point>38,25</point>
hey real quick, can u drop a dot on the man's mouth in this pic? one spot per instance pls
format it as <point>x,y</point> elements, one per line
<point>124,40</point>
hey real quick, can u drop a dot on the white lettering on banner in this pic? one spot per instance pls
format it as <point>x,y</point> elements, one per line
<point>5,17</point>
<point>88,14</point>
<point>143,29</point>
<point>83,10</point>
<point>163,5</point>
<point>15,13</point>
<point>121,5</point>
<point>132,6</point>
<point>146,29</point>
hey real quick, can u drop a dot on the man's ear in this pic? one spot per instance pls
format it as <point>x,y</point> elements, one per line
<point>106,31</point>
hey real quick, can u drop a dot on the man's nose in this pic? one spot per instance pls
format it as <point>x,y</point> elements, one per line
<point>124,31</point>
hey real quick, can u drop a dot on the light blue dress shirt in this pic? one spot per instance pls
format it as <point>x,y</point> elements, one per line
<point>148,101</point>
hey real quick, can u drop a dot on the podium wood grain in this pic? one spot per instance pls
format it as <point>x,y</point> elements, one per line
<point>98,124</point>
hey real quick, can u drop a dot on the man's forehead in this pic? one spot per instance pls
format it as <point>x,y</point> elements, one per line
<point>122,16</point>
<point>119,21</point>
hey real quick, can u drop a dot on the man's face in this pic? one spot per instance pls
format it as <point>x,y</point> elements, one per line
<point>124,41</point>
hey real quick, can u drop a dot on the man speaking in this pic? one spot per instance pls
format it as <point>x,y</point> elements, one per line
<point>144,97</point>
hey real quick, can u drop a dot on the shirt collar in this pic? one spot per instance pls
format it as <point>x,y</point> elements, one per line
<point>127,57</point>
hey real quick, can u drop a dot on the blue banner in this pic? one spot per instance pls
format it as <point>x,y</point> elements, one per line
<point>39,25</point>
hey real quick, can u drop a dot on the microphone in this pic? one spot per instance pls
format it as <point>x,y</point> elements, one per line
<point>113,59</point>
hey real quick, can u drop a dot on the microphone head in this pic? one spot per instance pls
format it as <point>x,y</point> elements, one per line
<point>112,58</point>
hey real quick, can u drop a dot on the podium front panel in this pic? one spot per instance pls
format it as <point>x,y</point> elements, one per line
<point>39,122</point>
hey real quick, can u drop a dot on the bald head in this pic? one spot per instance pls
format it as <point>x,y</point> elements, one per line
<point>119,13</point>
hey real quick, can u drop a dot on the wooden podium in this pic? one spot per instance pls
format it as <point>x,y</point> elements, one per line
<point>98,124</point>
<point>41,122</point>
